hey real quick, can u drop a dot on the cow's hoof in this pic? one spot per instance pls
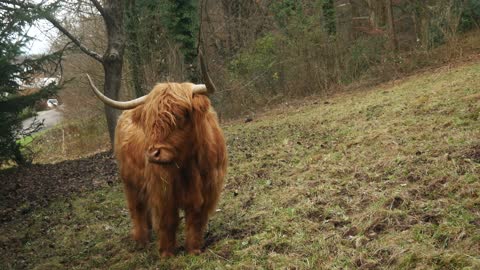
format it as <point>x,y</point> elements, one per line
<point>141,239</point>
<point>195,252</point>
<point>166,254</point>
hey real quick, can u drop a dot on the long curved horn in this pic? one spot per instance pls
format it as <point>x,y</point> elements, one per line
<point>199,89</point>
<point>206,78</point>
<point>121,105</point>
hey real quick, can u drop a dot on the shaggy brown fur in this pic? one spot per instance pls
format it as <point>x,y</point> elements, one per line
<point>188,172</point>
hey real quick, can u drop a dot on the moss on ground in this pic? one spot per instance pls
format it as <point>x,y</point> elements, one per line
<point>381,179</point>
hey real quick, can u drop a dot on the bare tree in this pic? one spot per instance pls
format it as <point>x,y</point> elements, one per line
<point>112,13</point>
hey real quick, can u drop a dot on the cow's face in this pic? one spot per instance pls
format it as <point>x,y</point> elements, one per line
<point>171,148</point>
<point>168,125</point>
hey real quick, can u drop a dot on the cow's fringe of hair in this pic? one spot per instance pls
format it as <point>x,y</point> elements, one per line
<point>164,106</point>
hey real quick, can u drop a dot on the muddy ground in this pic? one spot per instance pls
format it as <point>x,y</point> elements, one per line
<point>27,188</point>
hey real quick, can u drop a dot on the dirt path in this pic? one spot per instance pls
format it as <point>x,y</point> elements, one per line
<point>50,118</point>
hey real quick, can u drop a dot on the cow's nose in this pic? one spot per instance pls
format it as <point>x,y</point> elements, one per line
<point>159,155</point>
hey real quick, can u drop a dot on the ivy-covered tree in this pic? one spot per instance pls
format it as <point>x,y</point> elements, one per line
<point>136,31</point>
<point>161,41</point>
<point>470,18</point>
<point>182,23</point>
<point>328,8</point>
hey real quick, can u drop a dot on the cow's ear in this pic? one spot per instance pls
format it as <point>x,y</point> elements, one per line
<point>200,104</point>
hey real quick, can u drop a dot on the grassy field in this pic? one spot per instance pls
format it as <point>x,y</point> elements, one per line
<point>386,178</point>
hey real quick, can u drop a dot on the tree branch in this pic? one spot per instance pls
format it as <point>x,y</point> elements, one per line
<point>46,15</point>
<point>77,42</point>
<point>99,8</point>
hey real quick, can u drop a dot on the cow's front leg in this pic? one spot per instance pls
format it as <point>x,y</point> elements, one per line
<point>196,221</point>
<point>139,214</point>
<point>166,232</point>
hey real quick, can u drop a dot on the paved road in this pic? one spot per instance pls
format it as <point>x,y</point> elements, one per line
<point>51,118</point>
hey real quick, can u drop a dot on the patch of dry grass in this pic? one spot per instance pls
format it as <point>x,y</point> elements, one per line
<point>72,140</point>
<point>381,179</point>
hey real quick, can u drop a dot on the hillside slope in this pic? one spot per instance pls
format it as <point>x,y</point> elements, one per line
<point>380,179</point>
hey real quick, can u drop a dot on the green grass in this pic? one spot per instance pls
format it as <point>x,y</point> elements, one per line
<point>26,140</point>
<point>381,179</point>
<point>29,139</point>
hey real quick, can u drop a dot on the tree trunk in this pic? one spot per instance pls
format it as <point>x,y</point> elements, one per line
<point>391,26</point>
<point>377,13</point>
<point>113,58</point>
<point>344,25</point>
<point>113,81</point>
<point>134,55</point>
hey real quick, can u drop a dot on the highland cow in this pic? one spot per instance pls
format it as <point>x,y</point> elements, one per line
<point>172,156</point>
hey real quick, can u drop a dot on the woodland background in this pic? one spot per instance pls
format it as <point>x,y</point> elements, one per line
<point>263,52</point>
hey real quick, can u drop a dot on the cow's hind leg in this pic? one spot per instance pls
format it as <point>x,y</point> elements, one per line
<point>196,222</point>
<point>137,206</point>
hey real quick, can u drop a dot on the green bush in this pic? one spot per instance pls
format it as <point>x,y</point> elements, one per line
<point>285,11</point>
<point>362,54</point>
<point>470,18</point>
<point>258,59</point>
<point>27,113</point>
